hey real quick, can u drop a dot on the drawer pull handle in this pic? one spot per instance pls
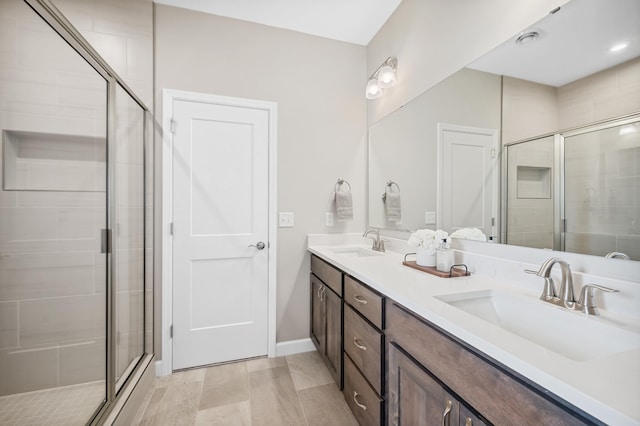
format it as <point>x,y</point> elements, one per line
<point>447,414</point>
<point>355,399</point>
<point>358,344</point>
<point>360,299</point>
<point>468,422</point>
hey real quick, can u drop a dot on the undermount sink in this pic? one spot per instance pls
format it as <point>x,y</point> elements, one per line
<point>355,252</point>
<point>570,334</point>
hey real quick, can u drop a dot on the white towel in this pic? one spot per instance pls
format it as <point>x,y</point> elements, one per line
<point>344,206</point>
<point>393,207</point>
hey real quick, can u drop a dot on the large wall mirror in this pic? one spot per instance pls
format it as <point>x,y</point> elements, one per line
<point>537,142</point>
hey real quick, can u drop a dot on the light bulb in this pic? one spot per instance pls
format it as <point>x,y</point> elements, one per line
<point>618,47</point>
<point>386,77</point>
<point>373,89</point>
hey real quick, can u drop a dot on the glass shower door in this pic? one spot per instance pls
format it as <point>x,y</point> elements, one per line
<point>53,201</point>
<point>602,196</point>
<point>129,242</point>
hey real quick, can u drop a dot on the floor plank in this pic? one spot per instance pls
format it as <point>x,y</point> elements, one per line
<point>274,400</point>
<point>294,390</point>
<point>225,384</point>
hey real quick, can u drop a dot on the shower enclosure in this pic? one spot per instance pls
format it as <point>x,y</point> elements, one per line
<point>75,224</point>
<point>576,191</point>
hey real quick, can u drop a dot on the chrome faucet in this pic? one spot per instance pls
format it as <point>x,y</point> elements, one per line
<point>378,244</point>
<point>566,297</point>
<point>566,285</point>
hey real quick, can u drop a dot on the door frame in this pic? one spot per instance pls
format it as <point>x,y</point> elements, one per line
<point>165,366</point>
<point>495,170</point>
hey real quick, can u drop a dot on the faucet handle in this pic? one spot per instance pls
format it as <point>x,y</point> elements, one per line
<point>549,290</point>
<point>586,297</point>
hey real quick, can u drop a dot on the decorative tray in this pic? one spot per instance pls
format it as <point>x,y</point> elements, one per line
<point>453,272</point>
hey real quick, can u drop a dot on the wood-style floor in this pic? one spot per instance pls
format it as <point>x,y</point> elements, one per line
<point>292,390</point>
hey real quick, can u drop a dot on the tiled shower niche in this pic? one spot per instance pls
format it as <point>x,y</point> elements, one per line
<point>53,162</point>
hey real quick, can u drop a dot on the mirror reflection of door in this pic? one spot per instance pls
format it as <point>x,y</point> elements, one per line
<point>467,176</point>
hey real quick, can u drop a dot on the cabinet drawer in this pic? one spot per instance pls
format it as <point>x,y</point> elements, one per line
<point>327,273</point>
<point>361,398</point>
<point>364,300</point>
<point>493,392</point>
<point>364,345</point>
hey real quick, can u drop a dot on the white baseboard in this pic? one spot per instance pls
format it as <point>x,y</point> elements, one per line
<point>160,369</point>
<point>292,347</point>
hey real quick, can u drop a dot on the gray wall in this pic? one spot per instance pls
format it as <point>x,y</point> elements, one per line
<point>433,39</point>
<point>319,87</point>
<point>403,145</point>
<point>318,84</point>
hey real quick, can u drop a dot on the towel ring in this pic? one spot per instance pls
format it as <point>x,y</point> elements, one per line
<point>390,185</point>
<point>341,182</point>
<point>389,188</point>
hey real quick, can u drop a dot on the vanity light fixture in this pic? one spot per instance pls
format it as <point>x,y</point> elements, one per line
<point>382,78</point>
<point>526,38</point>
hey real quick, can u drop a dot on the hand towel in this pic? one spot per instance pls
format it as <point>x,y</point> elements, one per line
<point>393,207</point>
<point>344,205</point>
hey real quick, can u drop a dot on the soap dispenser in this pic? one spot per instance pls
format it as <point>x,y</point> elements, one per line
<point>444,257</point>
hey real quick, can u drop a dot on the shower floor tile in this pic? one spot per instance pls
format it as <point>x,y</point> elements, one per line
<point>68,405</point>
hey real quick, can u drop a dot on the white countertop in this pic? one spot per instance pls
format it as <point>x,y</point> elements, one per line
<point>607,387</point>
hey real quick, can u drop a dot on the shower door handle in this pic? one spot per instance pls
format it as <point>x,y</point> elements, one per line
<point>105,240</point>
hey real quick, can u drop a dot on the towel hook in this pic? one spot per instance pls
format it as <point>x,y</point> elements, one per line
<point>341,182</point>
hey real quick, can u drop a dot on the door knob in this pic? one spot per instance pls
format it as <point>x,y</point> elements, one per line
<point>260,245</point>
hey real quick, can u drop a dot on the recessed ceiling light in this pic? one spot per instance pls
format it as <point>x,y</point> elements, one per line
<point>626,130</point>
<point>526,38</point>
<point>618,47</point>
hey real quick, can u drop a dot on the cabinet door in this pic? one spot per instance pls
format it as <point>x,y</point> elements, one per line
<point>318,314</point>
<point>333,348</point>
<point>467,418</point>
<point>415,397</point>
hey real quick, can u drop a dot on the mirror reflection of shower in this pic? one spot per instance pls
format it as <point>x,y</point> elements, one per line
<point>577,191</point>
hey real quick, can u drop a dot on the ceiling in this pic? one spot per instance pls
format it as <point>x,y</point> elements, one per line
<point>573,43</point>
<point>353,21</point>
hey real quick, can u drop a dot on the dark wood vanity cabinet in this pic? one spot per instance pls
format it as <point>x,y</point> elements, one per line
<point>397,368</point>
<point>427,368</point>
<point>326,315</point>
<point>417,398</point>
<point>364,384</point>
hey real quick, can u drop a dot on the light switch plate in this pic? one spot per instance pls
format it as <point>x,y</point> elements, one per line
<point>285,220</point>
<point>328,219</point>
<point>429,218</point>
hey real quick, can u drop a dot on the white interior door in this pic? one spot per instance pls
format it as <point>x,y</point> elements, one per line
<point>467,171</point>
<point>220,223</point>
